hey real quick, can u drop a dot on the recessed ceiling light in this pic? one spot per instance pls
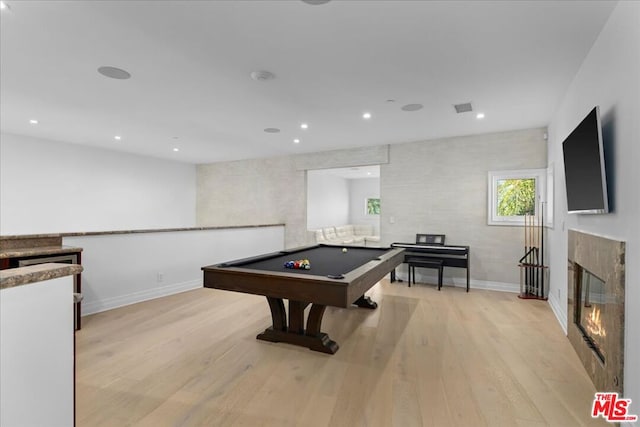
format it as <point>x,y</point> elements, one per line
<point>272,130</point>
<point>33,121</point>
<point>262,75</point>
<point>117,137</point>
<point>480,116</point>
<point>366,116</point>
<point>296,141</point>
<point>411,107</point>
<point>304,126</point>
<point>176,149</point>
<point>114,73</point>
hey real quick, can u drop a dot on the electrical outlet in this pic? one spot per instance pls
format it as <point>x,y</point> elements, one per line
<point>160,277</point>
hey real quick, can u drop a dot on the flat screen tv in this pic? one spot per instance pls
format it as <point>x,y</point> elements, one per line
<point>584,167</point>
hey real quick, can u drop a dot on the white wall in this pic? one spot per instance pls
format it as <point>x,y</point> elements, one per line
<point>121,269</point>
<point>359,191</point>
<point>327,200</point>
<point>609,77</point>
<point>51,187</point>
<point>36,354</point>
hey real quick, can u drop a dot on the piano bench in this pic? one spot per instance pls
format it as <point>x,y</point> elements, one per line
<point>425,264</point>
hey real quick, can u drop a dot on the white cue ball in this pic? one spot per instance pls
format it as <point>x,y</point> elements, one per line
<point>344,249</point>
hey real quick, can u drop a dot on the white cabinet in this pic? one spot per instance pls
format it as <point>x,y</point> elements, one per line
<point>36,354</point>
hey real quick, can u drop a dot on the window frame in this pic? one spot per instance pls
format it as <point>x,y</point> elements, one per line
<point>548,219</point>
<point>366,206</point>
<point>539,175</point>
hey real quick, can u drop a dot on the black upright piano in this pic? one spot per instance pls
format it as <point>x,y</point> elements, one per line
<point>449,255</point>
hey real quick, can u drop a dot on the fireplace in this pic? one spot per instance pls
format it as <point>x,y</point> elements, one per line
<point>596,303</point>
<point>589,309</point>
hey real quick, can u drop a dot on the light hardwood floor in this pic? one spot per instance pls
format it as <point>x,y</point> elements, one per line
<point>423,357</point>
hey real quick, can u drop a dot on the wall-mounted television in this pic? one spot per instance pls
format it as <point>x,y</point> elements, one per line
<point>584,167</point>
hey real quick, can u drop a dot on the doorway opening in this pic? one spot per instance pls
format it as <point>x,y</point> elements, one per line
<point>342,197</point>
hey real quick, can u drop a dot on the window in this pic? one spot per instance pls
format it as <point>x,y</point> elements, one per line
<point>372,206</point>
<point>514,194</point>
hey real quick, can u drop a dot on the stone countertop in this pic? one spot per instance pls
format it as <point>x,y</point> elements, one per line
<point>150,230</point>
<point>36,273</point>
<point>38,251</point>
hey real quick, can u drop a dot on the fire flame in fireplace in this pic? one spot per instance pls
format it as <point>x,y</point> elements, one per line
<point>594,323</point>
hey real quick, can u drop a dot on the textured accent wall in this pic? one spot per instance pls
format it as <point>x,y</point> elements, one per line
<point>362,156</point>
<point>252,192</point>
<point>440,187</point>
<point>269,191</point>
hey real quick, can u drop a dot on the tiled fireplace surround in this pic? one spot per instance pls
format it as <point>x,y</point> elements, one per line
<point>602,304</point>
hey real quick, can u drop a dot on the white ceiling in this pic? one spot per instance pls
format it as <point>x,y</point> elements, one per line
<point>191,62</point>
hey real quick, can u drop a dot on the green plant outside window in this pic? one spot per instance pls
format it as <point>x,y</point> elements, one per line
<point>373,206</point>
<point>516,197</point>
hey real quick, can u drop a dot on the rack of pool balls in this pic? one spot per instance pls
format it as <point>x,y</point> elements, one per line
<point>301,264</point>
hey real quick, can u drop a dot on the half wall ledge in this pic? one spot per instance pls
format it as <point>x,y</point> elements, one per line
<point>146,230</point>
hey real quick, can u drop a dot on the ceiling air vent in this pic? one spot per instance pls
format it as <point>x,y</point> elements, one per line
<point>411,107</point>
<point>463,108</point>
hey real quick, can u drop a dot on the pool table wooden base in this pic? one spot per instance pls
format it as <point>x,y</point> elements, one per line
<point>294,332</point>
<point>320,342</point>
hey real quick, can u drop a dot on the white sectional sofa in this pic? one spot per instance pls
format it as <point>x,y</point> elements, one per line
<point>354,235</point>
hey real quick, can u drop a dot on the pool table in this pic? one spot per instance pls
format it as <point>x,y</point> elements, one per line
<point>337,278</point>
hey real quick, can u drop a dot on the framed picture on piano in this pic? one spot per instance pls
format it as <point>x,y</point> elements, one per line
<point>430,239</point>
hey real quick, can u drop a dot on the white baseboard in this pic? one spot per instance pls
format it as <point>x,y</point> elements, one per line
<point>122,300</point>
<point>461,282</point>
<point>492,286</point>
<point>560,314</point>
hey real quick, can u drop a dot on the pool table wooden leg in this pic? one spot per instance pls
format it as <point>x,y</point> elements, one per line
<point>278,315</point>
<point>314,321</point>
<point>319,340</point>
<point>294,333</point>
<point>366,302</point>
<point>296,316</point>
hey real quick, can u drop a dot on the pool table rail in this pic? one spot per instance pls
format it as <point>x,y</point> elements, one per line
<point>290,284</point>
